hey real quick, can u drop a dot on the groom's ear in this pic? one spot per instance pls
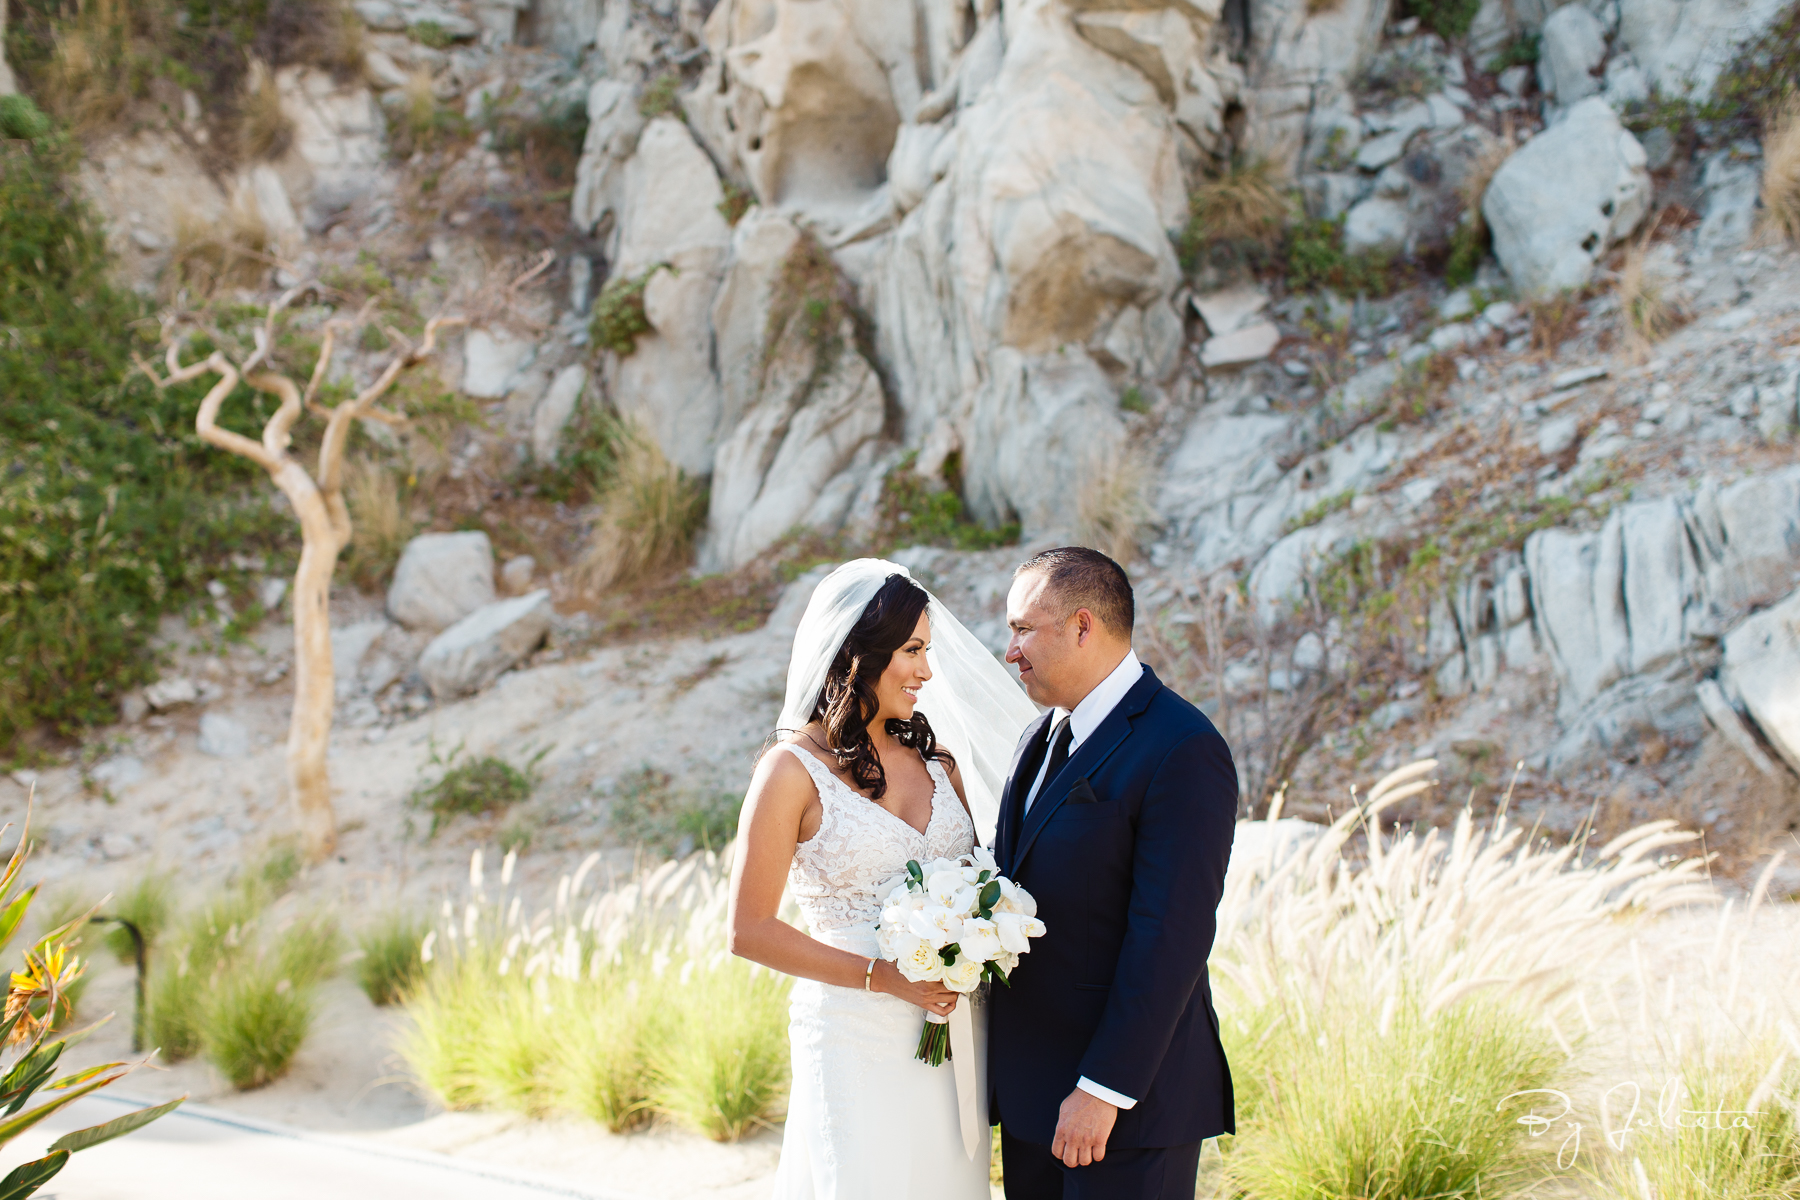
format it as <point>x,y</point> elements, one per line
<point>1085,626</point>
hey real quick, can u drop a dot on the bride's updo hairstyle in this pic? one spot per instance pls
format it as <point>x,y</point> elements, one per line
<point>848,703</point>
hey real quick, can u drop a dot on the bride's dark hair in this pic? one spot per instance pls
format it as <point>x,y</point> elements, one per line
<point>848,702</point>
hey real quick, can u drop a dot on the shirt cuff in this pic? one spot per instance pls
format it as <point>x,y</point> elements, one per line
<point>1107,1094</point>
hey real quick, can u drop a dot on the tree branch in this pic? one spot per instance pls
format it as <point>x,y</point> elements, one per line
<point>206,423</point>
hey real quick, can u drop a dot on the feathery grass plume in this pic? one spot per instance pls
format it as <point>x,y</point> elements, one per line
<point>650,514</point>
<point>1112,513</point>
<point>610,1007</point>
<point>1781,172</point>
<point>1372,996</point>
<point>391,965</point>
<point>147,902</point>
<point>1648,304</point>
<point>255,1020</point>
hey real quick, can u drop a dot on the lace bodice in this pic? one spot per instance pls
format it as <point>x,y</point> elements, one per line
<point>840,876</point>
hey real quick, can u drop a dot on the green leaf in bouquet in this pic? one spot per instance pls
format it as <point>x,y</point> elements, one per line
<point>995,973</point>
<point>93,1135</point>
<point>949,953</point>
<point>983,877</point>
<point>990,896</point>
<point>915,871</point>
<point>27,1178</point>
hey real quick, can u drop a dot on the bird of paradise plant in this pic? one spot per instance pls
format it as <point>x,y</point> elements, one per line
<point>37,1001</point>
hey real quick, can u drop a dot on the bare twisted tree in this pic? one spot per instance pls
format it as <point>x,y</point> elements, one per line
<point>324,520</point>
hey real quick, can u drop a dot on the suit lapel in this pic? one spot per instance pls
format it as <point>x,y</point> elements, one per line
<point>1011,796</point>
<point>1087,759</point>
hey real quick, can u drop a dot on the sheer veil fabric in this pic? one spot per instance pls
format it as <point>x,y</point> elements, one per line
<point>975,707</point>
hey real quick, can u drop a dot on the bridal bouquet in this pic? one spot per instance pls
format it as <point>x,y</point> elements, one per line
<point>960,921</point>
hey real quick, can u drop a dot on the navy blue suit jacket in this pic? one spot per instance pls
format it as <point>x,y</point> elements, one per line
<point>1125,851</point>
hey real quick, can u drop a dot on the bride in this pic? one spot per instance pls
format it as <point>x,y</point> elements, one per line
<point>859,782</point>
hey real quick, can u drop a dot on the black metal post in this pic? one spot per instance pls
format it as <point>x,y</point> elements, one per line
<point>137,942</point>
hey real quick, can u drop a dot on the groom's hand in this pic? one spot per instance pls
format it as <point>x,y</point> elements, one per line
<point>1082,1127</point>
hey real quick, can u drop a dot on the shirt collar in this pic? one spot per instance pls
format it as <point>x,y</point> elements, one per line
<point>1100,702</point>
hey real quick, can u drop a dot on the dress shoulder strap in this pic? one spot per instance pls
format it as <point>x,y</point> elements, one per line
<point>821,774</point>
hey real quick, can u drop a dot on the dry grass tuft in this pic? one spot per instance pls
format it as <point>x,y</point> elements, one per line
<point>378,517</point>
<point>1648,305</point>
<point>266,130</point>
<point>1781,174</point>
<point>1244,204</point>
<point>1112,511</point>
<point>651,512</point>
<point>213,254</point>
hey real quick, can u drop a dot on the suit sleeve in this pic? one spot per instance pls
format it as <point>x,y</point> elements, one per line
<point>1184,833</point>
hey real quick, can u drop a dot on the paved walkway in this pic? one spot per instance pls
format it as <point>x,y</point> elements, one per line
<point>201,1153</point>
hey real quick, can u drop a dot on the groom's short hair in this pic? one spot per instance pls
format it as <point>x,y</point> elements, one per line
<point>1078,577</point>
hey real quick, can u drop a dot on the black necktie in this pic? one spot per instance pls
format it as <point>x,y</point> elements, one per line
<point>1059,754</point>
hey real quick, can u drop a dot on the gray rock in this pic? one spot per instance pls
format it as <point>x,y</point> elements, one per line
<point>441,578</point>
<point>1625,83</point>
<point>118,772</point>
<point>1685,45</point>
<point>349,648</point>
<point>1724,716</point>
<point>1250,343</point>
<point>493,360</point>
<point>1377,224</point>
<point>469,655</point>
<point>171,693</point>
<point>1567,196</point>
<point>1557,434</point>
<point>1732,183</point>
<point>1573,47</point>
<point>379,15</point>
<point>133,707</point>
<point>1514,81</point>
<point>516,575</point>
<point>1762,672</point>
<point>222,737</point>
<point>552,414</point>
<point>454,25</point>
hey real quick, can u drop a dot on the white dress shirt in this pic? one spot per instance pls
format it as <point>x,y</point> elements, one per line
<point>1094,708</point>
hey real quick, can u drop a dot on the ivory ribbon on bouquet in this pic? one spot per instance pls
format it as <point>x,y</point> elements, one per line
<point>968,1057</point>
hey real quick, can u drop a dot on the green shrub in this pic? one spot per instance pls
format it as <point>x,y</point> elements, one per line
<point>619,318</point>
<point>146,902</point>
<point>724,1067</point>
<point>1132,400</point>
<point>430,33</point>
<point>662,98</point>
<point>1449,19</point>
<point>603,1054</point>
<point>913,513</point>
<point>1316,259</point>
<point>391,966</point>
<point>1723,1147</point>
<point>255,1020</point>
<point>473,787</point>
<point>1385,1106</point>
<point>112,512</point>
<point>1522,51</point>
<point>307,952</point>
<point>648,810</point>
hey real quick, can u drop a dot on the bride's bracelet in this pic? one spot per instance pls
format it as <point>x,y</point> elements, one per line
<point>869,977</point>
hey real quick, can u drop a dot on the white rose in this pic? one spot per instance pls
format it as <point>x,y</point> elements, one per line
<point>964,975</point>
<point>918,959</point>
<point>1015,931</point>
<point>980,939</point>
<point>937,925</point>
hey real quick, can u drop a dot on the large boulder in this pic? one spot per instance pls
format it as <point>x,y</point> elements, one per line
<point>1684,45</point>
<point>669,214</point>
<point>441,578</point>
<point>1302,56</point>
<point>803,407</point>
<point>339,147</point>
<point>1761,673</point>
<point>469,655</point>
<point>1571,193</point>
<point>614,124</point>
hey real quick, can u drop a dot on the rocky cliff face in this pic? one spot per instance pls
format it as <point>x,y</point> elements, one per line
<point>956,234</point>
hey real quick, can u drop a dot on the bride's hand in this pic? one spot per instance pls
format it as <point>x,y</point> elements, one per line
<point>932,997</point>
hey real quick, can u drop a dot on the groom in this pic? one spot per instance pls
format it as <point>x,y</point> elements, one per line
<point>1104,1056</point>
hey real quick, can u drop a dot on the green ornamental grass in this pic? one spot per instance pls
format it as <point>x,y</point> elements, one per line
<point>256,1019</point>
<point>391,966</point>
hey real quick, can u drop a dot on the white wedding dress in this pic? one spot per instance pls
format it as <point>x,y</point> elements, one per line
<point>866,1120</point>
